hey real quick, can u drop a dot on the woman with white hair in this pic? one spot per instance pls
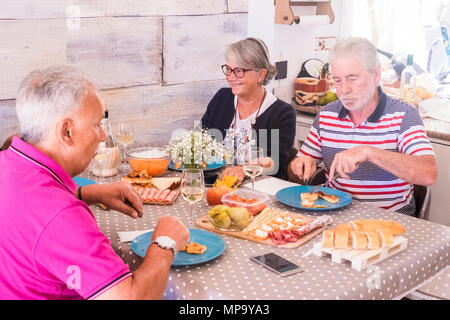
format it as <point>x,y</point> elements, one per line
<point>246,113</point>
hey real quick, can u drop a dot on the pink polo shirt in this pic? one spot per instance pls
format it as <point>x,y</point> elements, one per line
<point>50,244</point>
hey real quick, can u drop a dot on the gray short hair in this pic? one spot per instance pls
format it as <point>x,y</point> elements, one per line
<point>252,53</point>
<point>357,46</point>
<point>47,95</point>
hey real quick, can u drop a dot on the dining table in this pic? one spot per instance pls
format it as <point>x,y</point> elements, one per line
<point>233,275</point>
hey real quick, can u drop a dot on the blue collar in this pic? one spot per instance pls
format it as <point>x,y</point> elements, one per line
<point>377,113</point>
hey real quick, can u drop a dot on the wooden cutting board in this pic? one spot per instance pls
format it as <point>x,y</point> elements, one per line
<point>206,224</point>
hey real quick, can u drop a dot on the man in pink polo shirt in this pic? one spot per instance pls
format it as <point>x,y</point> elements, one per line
<point>50,244</point>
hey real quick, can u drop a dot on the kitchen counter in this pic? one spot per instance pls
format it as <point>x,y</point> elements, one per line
<point>436,129</point>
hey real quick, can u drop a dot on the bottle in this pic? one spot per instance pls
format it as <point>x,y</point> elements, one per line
<point>107,157</point>
<point>408,81</point>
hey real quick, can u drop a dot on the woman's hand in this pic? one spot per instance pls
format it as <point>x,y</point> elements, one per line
<point>234,171</point>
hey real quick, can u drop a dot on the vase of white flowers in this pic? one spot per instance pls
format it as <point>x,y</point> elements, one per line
<point>195,149</point>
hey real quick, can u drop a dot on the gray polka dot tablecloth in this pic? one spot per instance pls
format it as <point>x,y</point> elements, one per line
<point>234,276</point>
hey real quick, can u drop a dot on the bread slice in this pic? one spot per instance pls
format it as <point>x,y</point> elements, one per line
<point>143,182</point>
<point>166,183</point>
<point>195,248</point>
<point>328,239</point>
<point>328,197</point>
<point>341,239</point>
<point>307,204</point>
<point>386,238</point>
<point>359,240</point>
<point>373,242</point>
<point>309,196</point>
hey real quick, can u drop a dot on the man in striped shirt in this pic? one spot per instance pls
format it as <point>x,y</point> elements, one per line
<point>376,144</point>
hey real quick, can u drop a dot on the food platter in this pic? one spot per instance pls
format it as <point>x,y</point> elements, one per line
<point>205,223</point>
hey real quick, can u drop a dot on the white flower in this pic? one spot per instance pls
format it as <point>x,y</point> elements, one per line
<point>195,147</point>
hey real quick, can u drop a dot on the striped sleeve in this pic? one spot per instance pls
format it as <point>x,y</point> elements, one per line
<point>412,138</point>
<point>312,146</point>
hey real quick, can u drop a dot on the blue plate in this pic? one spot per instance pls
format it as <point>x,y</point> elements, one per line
<point>215,246</point>
<point>291,197</point>
<point>211,167</point>
<point>81,182</point>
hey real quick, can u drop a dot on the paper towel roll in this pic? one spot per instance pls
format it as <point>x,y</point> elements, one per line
<point>314,20</point>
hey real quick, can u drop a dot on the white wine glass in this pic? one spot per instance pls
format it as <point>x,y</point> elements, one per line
<point>253,163</point>
<point>192,188</point>
<point>125,136</point>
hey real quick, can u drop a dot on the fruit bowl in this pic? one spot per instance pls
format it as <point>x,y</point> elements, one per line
<point>153,159</point>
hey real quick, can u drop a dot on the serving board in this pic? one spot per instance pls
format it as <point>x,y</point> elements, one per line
<point>206,224</point>
<point>361,259</point>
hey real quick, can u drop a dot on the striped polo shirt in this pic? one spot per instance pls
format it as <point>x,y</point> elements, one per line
<point>393,126</point>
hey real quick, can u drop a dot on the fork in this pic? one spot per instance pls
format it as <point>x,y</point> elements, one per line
<point>326,184</point>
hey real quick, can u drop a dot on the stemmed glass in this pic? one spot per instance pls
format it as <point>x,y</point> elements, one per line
<point>125,135</point>
<point>253,159</point>
<point>192,187</point>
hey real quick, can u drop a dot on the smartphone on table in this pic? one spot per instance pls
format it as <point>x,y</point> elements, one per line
<point>277,264</point>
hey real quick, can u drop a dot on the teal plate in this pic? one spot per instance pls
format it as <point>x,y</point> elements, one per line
<point>215,246</point>
<point>81,182</point>
<point>291,196</point>
<point>211,167</point>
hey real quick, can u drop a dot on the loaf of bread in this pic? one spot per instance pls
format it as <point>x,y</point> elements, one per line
<point>363,234</point>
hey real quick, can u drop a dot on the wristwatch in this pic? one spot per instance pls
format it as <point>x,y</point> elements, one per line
<point>167,243</point>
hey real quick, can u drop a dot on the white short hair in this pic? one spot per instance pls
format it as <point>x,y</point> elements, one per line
<point>356,47</point>
<point>47,95</point>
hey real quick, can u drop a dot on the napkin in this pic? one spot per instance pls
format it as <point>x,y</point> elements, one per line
<point>127,236</point>
<point>270,185</point>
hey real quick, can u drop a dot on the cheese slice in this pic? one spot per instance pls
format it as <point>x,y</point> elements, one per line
<point>166,183</point>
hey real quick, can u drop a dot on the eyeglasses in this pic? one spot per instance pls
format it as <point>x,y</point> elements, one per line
<point>238,72</point>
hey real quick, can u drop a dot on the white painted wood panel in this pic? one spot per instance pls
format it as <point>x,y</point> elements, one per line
<point>113,52</point>
<point>237,5</point>
<point>31,9</point>
<point>156,111</point>
<point>194,47</point>
<point>117,52</point>
<point>9,124</point>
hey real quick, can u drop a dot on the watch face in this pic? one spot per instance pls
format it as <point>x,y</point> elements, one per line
<point>165,242</point>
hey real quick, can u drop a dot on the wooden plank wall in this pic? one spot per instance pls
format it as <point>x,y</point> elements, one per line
<point>155,62</point>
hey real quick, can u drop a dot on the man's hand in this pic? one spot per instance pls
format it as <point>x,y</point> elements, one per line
<point>347,161</point>
<point>303,167</point>
<point>119,196</point>
<point>170,226</point>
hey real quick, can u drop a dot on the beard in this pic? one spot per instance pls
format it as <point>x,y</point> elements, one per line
<point>353,102</point>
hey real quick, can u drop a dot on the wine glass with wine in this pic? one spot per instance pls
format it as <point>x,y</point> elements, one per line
<point>192,188</point>
<point>125,136</point>
<point>253,163</point>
